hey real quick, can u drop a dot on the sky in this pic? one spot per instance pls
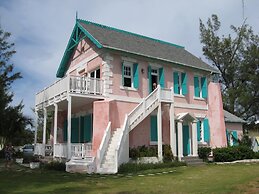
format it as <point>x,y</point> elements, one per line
<point>41,29</point>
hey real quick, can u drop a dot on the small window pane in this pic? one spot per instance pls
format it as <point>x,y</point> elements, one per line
<point>127,82</point>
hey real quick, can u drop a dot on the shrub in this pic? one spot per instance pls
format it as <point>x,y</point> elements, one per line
<point>19,154</point>
<point>256,155</point>
<point>133,167</point>
<point>142,151</point>
<point>230,154</point>
<point>59,166</point>
<point>2,153</point>
<point>167,153</point>
<point>246,141</point>
<point>204,153</point>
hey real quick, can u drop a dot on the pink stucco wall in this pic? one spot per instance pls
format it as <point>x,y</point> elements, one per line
<point>237,127</point>
<point>101,118</point>
<point>216,116</point>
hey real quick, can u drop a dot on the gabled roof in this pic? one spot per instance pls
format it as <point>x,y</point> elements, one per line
<point>230,118</point>
<point>111,38</point>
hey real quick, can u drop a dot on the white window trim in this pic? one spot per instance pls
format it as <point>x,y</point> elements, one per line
<point>128,64</point>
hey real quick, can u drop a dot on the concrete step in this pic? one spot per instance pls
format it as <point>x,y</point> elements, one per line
<point>193,161</point>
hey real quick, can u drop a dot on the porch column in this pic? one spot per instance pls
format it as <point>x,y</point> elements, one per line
<point>159,132</point>
<point>55,128</point>
<point>36,128</point>
<point>44,130</point>
<point>194,139</point>
<point>180,139</point>
<point>69,99</point>
<point>172,130</point>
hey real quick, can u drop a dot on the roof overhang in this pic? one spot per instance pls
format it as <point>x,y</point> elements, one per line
<point>186,117</point>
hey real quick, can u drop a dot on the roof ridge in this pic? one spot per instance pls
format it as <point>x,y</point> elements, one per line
<point>131,33</point>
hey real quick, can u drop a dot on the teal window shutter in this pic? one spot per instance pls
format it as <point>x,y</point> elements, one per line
<point>204,87</point>
<point>198,130</point>
<point>196,87</point>
<point>184,83</point>
<point>135,76</point>
<point>149,78</point>
<point>75,130</point>
<point>65,131</point>
<point>153,127</point>
<point>81,129</point>
<point>161,77</point>
<point>176,83</point>
<point>235,138</point>
<point>122,74</point>
<point>227,134</point>
<point>206,130</point>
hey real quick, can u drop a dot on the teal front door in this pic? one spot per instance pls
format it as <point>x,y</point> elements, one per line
<point>186,140</point>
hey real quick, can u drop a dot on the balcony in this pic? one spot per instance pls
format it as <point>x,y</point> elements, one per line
<point>58,91</point>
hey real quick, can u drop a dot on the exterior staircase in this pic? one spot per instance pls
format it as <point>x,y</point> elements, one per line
<point>108,165</point>
<point>113,154</point>
<point>193,161</point>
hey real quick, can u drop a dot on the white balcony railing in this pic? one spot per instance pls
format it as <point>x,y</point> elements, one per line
<point>70,84</point>
<point>39,149</point>
<point>81,150</point>
<point>60,150</point>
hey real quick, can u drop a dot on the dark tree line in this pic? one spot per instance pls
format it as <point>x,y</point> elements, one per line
<point>13,123</point>
<point>236,56</point>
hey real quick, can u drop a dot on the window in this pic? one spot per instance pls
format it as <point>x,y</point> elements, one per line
<point>156,77</point>
<point>127,74</point>
<point>232,137</point>
<point>200,87</point>
<point>180,83</point>
<point>203,131</point>
<point>130,75</point>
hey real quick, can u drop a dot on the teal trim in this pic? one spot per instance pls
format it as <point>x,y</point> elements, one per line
<point>122,74</point>
<point>65,131</point>
<point>176,83</point>
<point>149,78</point>
<point>129,33</point>
<point>198,130</point>
<point>88,128</point>
<point>235,138</point>
<point>153,128</point>
<point>184,83</point>
<point>78,34</point>
<point>206,130</point>
<point>75,130</point>
<point>161,77</point>
<point>196,87</point>
<point>135,76</point>
<point>228,138</point>
<point>204,87</point>
<point>186,140</point>
<point>81,129</point>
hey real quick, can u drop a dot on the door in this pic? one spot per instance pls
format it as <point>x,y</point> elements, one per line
<point>186,140</point>
<point>75,130</point>
<point>86,128</point>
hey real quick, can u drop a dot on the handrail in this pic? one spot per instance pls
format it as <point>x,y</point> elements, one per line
<point>104,144</point>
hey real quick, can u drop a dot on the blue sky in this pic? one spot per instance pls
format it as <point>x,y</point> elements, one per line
<point>41,29</point>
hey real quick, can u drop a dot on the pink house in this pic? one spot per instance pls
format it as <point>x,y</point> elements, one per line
<point>117,90</point>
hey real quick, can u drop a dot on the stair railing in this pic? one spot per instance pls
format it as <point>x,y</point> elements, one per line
<point>121,143</point>
<point>104,144</point>
<point>142,107</point>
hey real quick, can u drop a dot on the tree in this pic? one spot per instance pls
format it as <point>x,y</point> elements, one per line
<point>13,122</point>
<point>236,56</point>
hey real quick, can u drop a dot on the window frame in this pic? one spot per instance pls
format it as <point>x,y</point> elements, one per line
<point>130,65</point>
<point>200,86</point>
<point>179,72</point>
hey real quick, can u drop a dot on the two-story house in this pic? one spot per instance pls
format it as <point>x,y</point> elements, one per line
<point>119,90</point>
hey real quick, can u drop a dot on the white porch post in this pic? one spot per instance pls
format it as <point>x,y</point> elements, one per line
<point>194,139</point>
<point>55,128</point>
<point>180,139</point>
<point>172,130</point>
<point>44,130</point>
<point>69,98</point>
<point>159,132</point>
<point>36,128</point>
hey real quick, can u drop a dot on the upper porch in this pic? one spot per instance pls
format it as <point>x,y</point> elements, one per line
<point>73,85</point>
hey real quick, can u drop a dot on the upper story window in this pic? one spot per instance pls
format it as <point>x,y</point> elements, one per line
<point>200,87</point>
<point>130,75</point>
<point>156,77</point>
<point>180,83</point>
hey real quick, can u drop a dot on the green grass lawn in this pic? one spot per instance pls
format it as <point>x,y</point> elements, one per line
<point>238,178</point>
